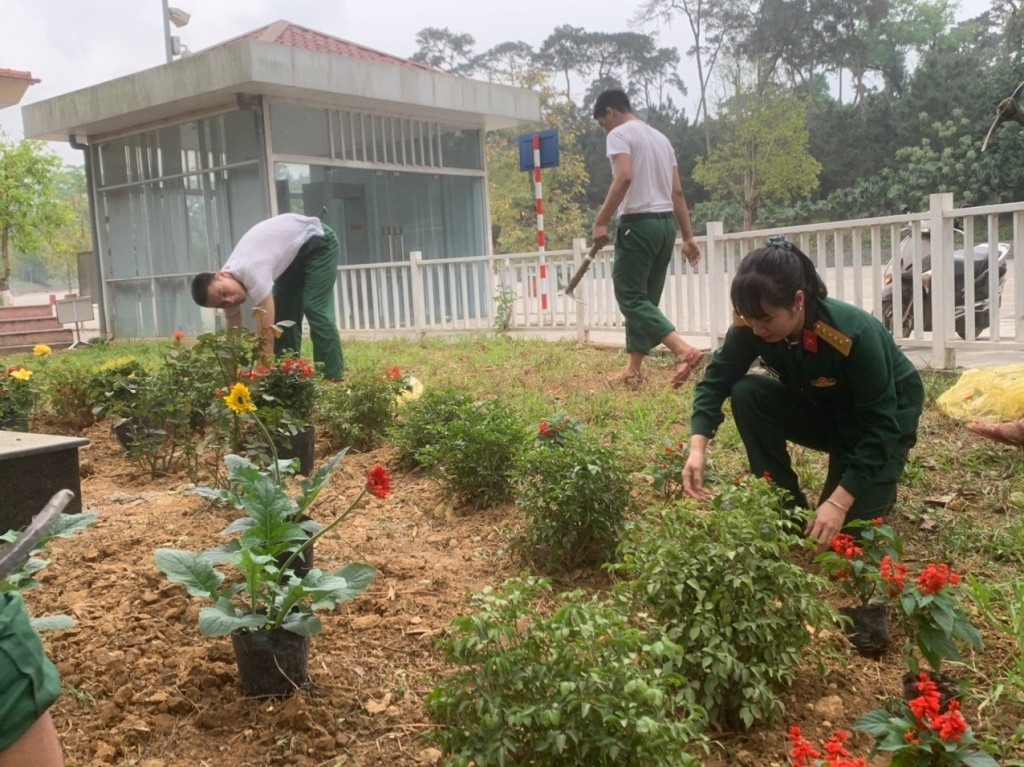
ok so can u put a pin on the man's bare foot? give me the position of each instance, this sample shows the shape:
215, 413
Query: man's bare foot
1007, 432
686, 364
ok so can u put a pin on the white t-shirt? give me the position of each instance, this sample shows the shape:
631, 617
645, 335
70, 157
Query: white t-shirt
269, 248
653, 159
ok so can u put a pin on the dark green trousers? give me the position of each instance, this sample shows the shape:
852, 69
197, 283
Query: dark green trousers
643, 252
768, 415
306, 288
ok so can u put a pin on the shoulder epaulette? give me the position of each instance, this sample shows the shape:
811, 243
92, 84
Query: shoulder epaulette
840, 342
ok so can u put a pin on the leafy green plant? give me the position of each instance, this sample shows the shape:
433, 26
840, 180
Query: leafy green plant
23, 578
359, 411
933, 618
1001, 607
67, 393
476, 455
504, 302
666, 471
113, 387
855, 563
267, 593
423, 423
18, 394
573, 685
556, 431
923, 732
723, 585
575, 493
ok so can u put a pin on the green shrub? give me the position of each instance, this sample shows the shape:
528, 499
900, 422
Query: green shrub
423, 423
114, 386
579, 686
575, 494
66, 389
722, 584
477, 453
359, 411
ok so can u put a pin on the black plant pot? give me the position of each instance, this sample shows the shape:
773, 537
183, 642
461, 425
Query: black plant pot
949, 687
271, 663
868, 629
125, 429
301, 446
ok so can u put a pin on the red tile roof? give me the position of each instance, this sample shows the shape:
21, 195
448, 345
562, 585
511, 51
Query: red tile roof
286, 33
17, 75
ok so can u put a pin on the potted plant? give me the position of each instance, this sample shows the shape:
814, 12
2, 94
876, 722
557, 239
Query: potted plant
855, 565
268, 608
285, 395
17, 397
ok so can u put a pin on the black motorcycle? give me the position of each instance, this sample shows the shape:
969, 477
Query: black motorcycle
975, 268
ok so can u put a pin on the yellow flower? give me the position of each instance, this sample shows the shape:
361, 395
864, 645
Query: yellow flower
42, 350
239, 399
21, 374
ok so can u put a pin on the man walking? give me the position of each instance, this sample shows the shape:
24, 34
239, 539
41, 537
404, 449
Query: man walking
648, 195
286, 267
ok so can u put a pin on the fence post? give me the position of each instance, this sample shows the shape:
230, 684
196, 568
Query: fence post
943, 292
578, 246
419, 314
714, 262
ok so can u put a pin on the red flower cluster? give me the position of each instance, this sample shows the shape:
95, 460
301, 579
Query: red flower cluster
299, 366
550, 431
178, 336
935, 578
925, 707
378, 481
395, 374
846, 547
949, 726
894, 574
803, 751
804, 754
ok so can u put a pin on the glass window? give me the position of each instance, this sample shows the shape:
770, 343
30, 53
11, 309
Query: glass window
460, 148
300, 131
113, 163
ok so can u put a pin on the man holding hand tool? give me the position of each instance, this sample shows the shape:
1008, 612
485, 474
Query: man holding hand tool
648, 195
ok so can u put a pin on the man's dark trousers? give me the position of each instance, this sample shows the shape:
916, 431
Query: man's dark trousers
306, 288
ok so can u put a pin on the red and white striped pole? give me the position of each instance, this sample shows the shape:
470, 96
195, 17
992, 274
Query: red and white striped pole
538, 193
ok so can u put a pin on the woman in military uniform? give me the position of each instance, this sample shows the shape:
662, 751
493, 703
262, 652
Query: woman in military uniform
836, 382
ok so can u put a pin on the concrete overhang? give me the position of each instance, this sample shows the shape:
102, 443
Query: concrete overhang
13, 85
211, 79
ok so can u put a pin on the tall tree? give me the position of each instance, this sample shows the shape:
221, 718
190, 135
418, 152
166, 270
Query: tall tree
512, 63
763, 156
566, 51
30, 205
445, 50
73, 235
709, 21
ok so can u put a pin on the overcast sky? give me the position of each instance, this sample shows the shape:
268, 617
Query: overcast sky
72, 44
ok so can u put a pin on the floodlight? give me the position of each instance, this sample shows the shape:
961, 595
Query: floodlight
178, 17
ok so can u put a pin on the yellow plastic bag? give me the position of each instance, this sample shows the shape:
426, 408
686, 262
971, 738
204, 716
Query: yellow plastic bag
413, 390
990, 395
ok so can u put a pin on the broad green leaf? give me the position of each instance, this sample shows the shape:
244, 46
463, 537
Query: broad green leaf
223, 619
53, 623
191, 570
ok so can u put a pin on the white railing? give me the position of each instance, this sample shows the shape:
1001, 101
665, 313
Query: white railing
421, 297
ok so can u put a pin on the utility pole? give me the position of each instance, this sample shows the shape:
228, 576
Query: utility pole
168, 46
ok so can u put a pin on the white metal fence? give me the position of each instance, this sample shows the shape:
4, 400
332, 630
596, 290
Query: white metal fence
525, 291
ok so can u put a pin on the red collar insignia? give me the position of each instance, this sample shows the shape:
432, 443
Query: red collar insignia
810, 341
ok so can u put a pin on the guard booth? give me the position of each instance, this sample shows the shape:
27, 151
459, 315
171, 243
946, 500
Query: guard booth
184, 157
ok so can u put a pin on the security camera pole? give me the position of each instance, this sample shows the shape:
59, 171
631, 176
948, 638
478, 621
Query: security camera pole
167, 32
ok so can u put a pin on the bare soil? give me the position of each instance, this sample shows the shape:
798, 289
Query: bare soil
142, 687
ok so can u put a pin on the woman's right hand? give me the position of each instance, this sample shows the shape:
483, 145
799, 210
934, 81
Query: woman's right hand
693, 472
